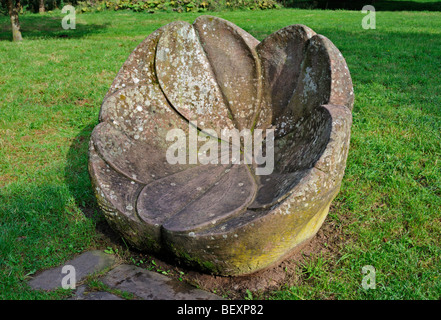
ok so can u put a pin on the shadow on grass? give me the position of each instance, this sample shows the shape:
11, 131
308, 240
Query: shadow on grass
44, 26
407, 6
78, 180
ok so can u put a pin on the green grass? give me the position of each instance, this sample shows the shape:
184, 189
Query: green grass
389, 205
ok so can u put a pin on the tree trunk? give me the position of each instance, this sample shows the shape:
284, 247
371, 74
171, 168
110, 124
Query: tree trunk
13, 13
41, 6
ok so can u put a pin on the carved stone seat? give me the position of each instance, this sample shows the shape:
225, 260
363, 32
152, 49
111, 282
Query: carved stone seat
199, 80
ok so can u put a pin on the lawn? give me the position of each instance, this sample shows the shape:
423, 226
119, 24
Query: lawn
388, 211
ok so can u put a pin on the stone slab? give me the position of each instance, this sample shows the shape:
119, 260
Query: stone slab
85, 264
150, 285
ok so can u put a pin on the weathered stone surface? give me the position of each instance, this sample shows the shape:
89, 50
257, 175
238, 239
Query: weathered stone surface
232, 55
138, 68
85, 264
227, 197
150, 285
281, 56
187, 79
223, 217
82, 293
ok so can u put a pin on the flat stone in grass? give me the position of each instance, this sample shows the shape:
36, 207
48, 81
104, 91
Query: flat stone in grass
150, 285
85, 264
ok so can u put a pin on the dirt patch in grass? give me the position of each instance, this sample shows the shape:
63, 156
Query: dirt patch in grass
287, 272
6, 179
84, 103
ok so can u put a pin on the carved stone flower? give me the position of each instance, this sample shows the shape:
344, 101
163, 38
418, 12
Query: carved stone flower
223, 218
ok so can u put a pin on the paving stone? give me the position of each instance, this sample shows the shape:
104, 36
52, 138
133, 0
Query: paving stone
150, 285
85, 264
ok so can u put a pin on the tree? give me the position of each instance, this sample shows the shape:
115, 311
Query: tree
41, 6
13, 13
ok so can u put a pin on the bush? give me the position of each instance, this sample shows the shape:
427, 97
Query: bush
145, 5
175, 5
33, 5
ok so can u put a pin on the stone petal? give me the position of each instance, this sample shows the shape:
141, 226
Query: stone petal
281, 55
229, 196
118, 191
274, 188
324, 79
187, 80
129, 157
142, 113
333, 159
117, 195
163, 198
135, 103
342, 92
295, 154
231, 53
300, 149
139, 66
314, 84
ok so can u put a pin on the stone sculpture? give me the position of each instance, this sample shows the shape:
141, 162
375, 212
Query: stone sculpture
211, 76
